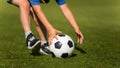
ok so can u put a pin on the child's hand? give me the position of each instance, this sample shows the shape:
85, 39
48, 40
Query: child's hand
80, 37
52, 34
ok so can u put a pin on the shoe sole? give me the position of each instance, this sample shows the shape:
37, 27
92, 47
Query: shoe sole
38, 42
45, 52
41, 51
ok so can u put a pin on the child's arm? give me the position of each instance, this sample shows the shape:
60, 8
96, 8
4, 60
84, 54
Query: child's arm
69, 16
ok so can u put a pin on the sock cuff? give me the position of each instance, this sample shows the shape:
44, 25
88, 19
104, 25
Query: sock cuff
43, 42
27, 33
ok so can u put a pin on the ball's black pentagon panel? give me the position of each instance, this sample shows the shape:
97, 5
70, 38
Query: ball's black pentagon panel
64, 55
70, 44
58, 45
61, 35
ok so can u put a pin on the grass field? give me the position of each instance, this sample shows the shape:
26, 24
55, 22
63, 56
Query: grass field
99, 21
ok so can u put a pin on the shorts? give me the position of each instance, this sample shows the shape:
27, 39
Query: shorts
38, 2
60, 2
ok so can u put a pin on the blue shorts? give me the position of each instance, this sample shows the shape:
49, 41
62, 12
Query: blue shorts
37, 2
60, 2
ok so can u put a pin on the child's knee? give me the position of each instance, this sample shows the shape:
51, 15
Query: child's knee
24, 4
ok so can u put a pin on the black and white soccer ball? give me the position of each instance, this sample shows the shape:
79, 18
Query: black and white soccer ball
62, 47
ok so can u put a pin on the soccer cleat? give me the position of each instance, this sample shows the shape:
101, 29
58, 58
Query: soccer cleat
32, 41
45, 49
9, 1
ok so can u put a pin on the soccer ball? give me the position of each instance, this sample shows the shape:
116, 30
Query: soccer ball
62, 47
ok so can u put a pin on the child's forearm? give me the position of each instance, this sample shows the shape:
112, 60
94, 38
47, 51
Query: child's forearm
69, 16
42, 17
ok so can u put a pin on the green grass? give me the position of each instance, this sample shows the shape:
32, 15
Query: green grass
99, 21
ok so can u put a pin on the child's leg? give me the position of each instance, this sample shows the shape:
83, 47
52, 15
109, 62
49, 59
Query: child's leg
42, 33
25, 20
40, 27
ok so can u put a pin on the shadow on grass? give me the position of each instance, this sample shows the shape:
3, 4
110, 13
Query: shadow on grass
73, 55
80, 50
35, 51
